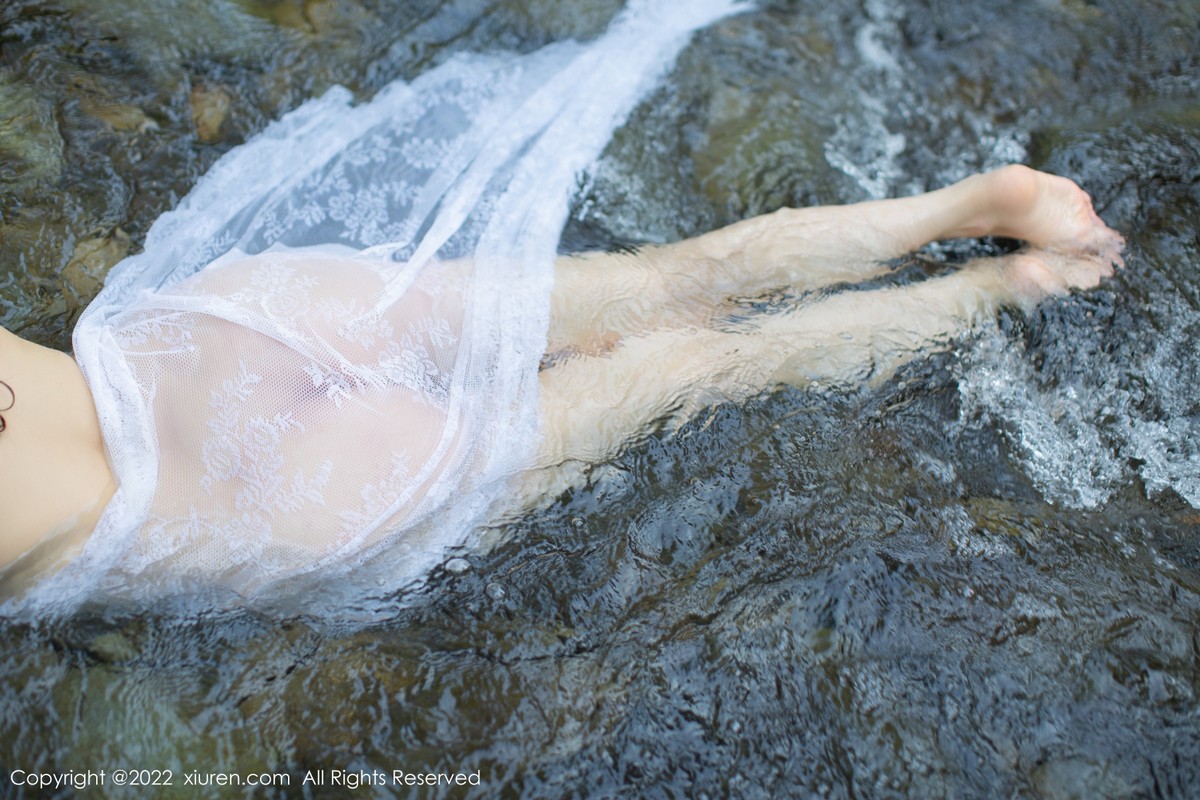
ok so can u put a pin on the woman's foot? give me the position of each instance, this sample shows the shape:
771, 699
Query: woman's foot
1036, 273
1047, 211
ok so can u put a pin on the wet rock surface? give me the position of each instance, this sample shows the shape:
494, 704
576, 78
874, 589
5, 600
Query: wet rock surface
912, 592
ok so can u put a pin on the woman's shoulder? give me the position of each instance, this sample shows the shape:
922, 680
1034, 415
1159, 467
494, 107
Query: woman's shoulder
54, 477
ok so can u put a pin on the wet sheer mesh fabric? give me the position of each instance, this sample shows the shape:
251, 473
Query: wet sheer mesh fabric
328, 354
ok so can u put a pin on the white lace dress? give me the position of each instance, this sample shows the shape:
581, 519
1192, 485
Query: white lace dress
325, 361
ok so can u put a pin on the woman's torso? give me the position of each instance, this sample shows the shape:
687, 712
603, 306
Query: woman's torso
289, 426
54, 477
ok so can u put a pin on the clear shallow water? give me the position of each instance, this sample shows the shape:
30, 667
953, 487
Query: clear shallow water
978, 580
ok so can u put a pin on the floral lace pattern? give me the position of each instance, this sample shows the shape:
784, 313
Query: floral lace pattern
376, 498
330, 348
170, 332
324, 370
247, 450
286, 465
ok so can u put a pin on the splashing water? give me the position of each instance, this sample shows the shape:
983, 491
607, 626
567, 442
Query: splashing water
1051, 428
1082, 436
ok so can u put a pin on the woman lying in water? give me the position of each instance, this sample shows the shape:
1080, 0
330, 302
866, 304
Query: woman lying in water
353, 346
278, 464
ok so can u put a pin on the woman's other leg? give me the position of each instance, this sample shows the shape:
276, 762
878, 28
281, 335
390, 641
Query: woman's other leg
592, 405
600, 298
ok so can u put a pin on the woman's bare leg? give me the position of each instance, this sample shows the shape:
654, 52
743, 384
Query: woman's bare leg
600, 298
592, 405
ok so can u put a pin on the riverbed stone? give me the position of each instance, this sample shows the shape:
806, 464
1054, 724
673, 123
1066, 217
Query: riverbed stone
31, 148
91, 261
210, 108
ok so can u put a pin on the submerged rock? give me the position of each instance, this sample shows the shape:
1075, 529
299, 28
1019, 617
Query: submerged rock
92, 259
210, 108
31, 148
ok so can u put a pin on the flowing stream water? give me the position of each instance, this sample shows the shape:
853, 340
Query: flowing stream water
981, 579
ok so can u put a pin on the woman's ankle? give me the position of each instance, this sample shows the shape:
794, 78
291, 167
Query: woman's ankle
994, 203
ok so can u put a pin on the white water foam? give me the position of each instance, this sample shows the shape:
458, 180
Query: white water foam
1050, 429
870, 145
864, 147
1081, 439
1159, 423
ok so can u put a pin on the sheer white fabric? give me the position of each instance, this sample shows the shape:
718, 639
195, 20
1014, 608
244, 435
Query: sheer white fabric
329, 352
